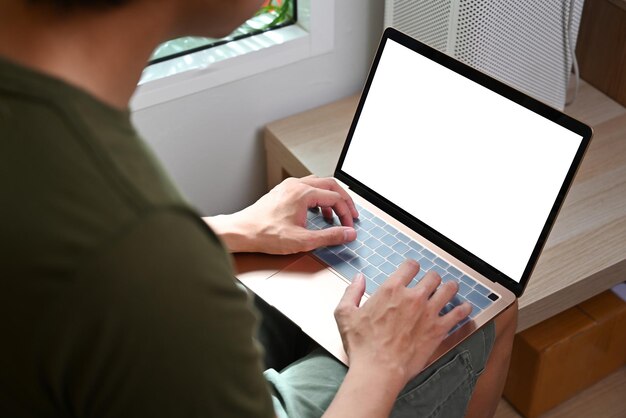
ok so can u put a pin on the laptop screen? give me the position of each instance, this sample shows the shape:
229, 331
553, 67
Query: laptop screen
475, 166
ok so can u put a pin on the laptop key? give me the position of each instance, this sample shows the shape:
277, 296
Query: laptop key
428, 254
359, 263
378, 221
389, 240
400, 247
370, 286
372, 242
454, 271
336, 248
363, 235
310, 225
347, 255
425, 263
312, 213
384, 251
380, 279
412, 254
447, 278
390, 229
387, 267
375, 260
364, 213
478, 299
414, 245
353, 245
467, 280
319, 221
364, 224
481, 289
364, 251
328, 256
346, 270
441, 263
395, 259
377, 232
332, 221
370, 271
403, 238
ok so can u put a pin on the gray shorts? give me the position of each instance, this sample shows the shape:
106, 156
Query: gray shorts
306, 387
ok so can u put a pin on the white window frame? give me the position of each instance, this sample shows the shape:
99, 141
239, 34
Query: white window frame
312, 35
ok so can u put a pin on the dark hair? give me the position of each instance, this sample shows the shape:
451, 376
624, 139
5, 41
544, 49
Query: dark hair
80, 4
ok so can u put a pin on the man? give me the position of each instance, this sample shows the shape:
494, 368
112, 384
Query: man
117, 300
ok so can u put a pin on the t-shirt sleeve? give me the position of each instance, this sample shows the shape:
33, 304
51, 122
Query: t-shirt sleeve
157, 327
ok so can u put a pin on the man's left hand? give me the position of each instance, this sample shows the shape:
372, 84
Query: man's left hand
276, 223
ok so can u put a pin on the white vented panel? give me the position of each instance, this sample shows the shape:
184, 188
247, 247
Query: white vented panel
521, 42
428, 19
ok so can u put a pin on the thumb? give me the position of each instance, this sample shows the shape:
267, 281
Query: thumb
348, 305
335, 235
352, 296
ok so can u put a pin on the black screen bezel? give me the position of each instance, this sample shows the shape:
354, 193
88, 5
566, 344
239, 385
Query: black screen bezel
502, 89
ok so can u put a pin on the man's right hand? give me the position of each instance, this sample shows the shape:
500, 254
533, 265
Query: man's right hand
398, 329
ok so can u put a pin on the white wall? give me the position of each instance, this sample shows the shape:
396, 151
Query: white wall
211, 142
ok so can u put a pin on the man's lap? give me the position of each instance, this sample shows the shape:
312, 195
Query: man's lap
306, 387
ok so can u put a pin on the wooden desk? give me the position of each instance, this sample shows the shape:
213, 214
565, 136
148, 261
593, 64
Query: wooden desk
586, 251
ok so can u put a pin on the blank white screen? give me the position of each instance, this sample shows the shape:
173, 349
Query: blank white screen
473, 165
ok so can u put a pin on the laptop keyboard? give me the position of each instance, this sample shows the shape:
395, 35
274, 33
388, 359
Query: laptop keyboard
378, 251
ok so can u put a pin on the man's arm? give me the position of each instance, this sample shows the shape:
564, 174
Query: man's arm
156, 326
391, 337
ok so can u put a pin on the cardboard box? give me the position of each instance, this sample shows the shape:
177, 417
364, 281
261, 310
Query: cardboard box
556, 359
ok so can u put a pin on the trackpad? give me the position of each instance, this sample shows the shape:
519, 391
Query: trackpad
307, 293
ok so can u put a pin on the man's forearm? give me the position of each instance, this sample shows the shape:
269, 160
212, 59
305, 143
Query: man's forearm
232, 231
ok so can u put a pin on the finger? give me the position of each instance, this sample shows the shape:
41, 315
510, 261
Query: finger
331, 199
335, 235
329, 183
406, 272
443, 294
429, 283
353, 294
456, 315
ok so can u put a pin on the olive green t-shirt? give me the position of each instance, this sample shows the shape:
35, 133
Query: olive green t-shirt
116, 300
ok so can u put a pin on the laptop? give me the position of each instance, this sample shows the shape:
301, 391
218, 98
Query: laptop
447, 166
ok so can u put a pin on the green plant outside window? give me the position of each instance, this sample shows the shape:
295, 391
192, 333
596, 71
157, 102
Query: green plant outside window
272, 15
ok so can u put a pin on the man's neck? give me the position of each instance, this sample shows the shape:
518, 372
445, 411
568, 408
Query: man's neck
101, 55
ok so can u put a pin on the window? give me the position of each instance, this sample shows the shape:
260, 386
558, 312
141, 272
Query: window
310, 35
273, 14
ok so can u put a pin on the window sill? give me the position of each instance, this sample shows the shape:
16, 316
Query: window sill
312, 35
